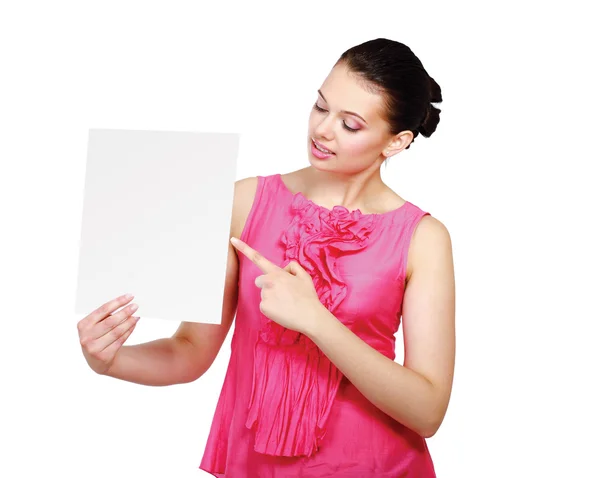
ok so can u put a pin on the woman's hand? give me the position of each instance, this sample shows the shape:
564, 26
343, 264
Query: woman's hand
288, 295
101, 334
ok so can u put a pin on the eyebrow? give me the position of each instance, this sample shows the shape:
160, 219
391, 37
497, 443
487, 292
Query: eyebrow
345, 111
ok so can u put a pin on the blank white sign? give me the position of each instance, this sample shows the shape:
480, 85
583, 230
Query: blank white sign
156, 219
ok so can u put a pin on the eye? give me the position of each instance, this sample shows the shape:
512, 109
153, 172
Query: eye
323, 110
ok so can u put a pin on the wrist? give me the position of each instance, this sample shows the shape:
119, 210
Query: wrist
113, 368
315, 321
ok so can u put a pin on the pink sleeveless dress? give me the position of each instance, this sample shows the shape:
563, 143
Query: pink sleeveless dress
284, 409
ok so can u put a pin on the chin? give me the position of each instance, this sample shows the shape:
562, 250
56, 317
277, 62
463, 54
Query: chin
320, 164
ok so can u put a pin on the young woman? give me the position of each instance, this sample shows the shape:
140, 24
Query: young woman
329, 261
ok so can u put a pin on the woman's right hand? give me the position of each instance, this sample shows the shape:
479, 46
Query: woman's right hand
102, 333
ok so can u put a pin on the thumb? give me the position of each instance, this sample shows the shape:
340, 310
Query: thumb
295, 269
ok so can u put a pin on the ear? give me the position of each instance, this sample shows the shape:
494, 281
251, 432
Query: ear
398, 143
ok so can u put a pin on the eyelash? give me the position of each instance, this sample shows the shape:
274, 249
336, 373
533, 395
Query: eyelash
321, 110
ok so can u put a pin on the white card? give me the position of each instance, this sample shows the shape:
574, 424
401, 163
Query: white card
156, 219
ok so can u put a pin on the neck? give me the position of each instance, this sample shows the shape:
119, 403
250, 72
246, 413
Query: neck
353, 191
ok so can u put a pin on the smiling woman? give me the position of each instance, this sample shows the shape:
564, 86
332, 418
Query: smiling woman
328, 264
312, 388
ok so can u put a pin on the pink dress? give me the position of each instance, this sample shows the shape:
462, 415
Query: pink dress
284, 409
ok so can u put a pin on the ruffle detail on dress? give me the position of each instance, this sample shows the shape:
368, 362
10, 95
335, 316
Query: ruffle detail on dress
294, 383
292, 394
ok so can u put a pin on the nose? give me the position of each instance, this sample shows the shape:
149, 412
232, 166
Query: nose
324, 128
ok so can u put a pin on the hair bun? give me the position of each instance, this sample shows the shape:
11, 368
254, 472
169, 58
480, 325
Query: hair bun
435, 91
432, 115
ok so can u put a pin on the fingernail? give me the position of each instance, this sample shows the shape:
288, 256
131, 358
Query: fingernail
234, 240
129, 296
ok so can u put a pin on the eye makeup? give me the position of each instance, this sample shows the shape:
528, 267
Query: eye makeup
323, 110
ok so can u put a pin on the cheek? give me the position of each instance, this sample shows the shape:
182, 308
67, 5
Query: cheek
357, 147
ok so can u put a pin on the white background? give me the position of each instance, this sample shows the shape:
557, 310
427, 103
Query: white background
510, 172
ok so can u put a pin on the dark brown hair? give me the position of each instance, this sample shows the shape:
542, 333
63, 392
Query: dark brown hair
392, 69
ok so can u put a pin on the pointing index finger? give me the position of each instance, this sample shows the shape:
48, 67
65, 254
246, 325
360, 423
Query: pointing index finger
263, 263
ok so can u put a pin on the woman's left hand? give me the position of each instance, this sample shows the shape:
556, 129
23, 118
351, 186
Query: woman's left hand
288, 295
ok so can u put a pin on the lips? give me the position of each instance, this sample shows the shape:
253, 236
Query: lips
322, 148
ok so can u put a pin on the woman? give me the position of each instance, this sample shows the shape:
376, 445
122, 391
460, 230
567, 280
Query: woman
319, 281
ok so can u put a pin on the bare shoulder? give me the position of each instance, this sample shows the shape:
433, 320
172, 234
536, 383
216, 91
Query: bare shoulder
430, 244
428, 312
243, 197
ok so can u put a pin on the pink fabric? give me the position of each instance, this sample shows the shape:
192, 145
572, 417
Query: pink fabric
284, 409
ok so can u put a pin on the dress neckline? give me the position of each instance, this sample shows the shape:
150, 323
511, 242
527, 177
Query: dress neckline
358, 212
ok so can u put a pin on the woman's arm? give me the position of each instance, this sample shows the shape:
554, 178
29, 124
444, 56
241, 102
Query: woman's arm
417, 393
192, 349
186, 355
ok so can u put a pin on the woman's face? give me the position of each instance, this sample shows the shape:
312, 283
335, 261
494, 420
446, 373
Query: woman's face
347, 120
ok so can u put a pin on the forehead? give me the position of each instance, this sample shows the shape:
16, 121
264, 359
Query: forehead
344, 90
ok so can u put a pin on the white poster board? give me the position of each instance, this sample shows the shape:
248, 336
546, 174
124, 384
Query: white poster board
155, 223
